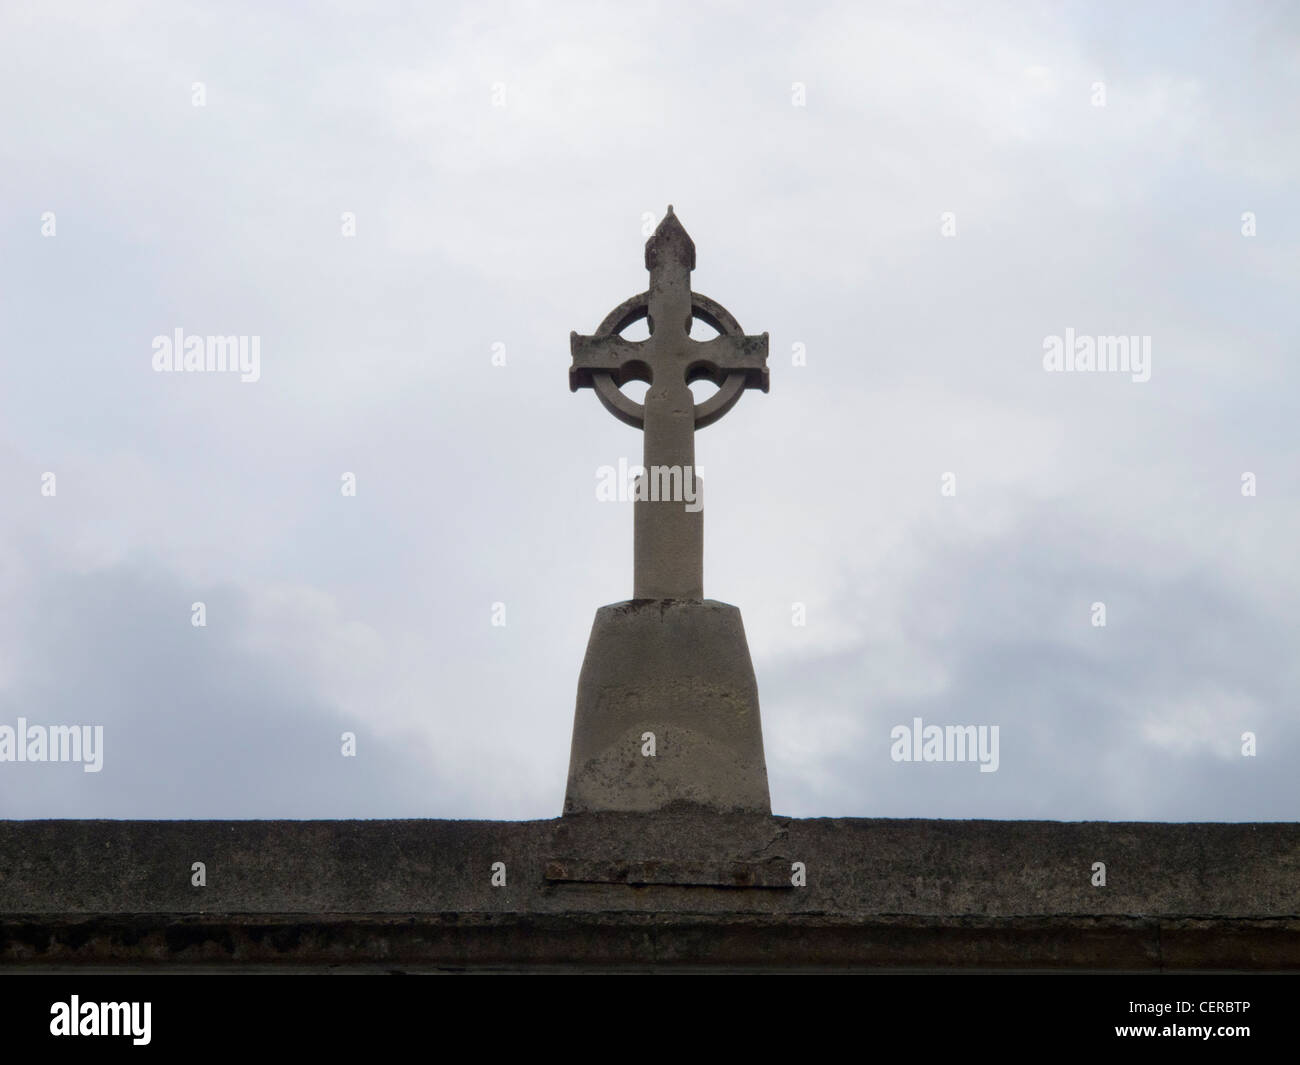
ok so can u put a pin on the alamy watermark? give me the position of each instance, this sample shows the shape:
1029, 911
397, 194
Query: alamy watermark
1093, 354
75, 1017
53, 743
179, 353
946, 743
671, 484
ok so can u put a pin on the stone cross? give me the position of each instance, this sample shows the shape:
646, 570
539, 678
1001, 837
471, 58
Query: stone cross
667, 711
668, 537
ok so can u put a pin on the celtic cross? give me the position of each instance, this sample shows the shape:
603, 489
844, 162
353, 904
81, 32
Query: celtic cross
668, 534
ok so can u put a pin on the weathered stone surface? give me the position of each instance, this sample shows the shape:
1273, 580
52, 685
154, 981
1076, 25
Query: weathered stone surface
880, 894
681, 671
645, 942
668, 540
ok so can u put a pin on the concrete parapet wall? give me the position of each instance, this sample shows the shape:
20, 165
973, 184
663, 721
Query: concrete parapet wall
631, 890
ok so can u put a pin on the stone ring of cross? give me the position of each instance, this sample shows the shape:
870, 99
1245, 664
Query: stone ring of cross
626, 409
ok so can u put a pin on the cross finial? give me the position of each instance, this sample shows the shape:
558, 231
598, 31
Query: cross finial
670, 243
669, 537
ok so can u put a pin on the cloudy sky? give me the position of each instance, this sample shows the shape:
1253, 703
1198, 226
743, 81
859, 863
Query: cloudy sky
912, 197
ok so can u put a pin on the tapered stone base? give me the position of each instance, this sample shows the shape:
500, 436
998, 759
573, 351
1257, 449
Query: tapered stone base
680, 670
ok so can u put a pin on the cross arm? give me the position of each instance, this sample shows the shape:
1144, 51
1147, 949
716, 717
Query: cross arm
623, 360
723, 356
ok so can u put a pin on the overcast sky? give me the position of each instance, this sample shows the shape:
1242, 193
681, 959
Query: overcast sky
502, 163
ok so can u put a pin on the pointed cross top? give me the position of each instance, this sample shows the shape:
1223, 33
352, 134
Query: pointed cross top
670, 243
